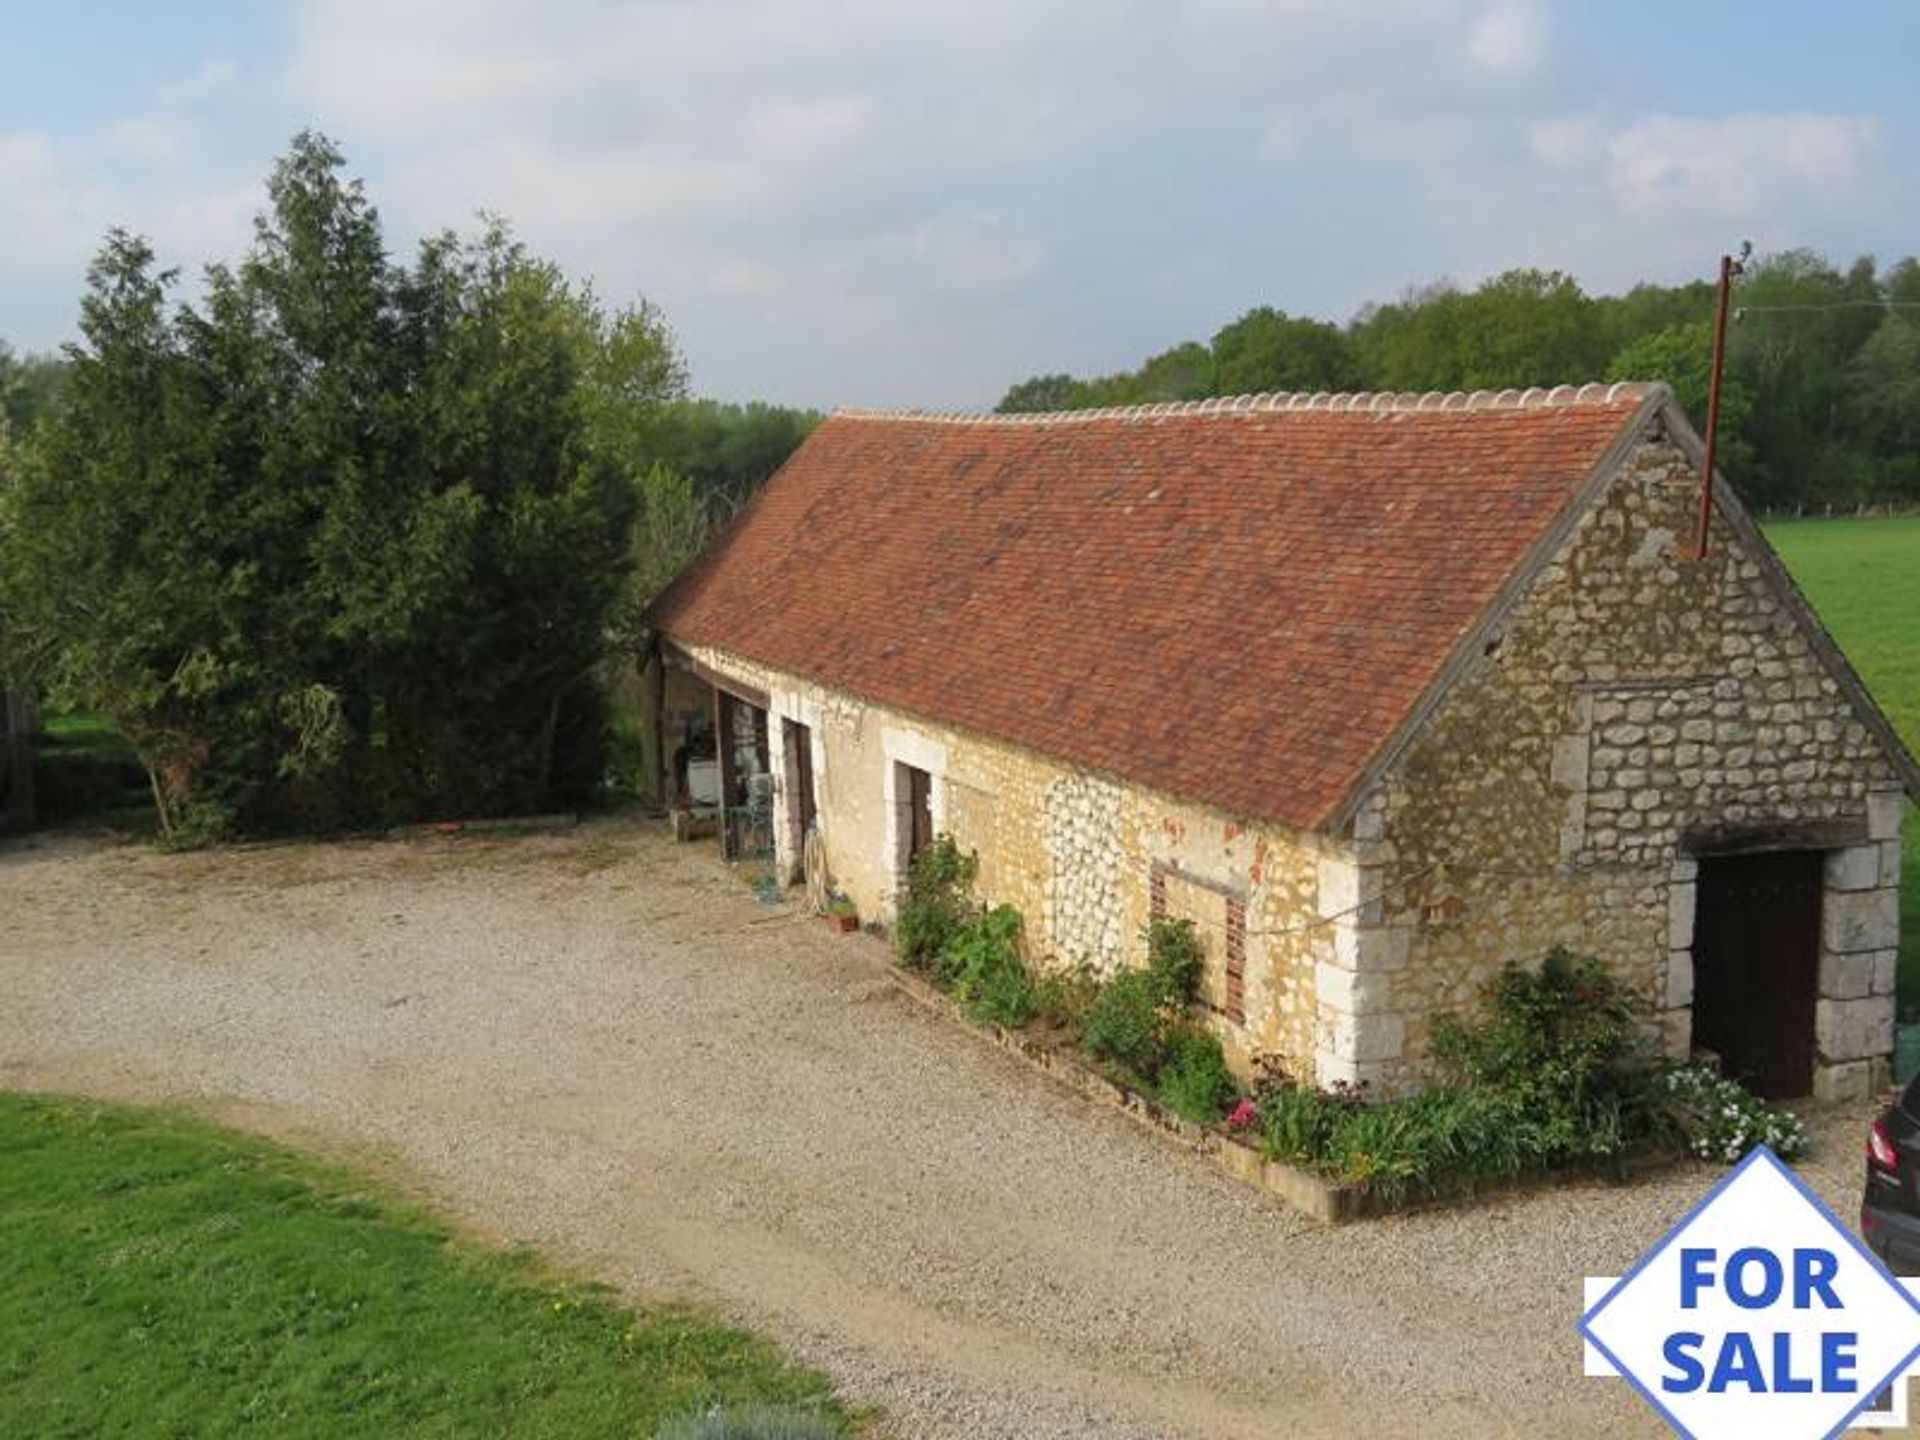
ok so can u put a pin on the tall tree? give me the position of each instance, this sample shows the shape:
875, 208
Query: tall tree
1268, 349
344, 540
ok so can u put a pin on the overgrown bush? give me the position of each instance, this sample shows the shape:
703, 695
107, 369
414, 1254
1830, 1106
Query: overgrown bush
1194, 1080
1560, 1041
1547, 1073
982, 964
1127, 1022
1720, 1119
1064, 994
1175, 959
939, 903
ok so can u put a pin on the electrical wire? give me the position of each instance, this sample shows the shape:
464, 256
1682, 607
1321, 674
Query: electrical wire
1741, 311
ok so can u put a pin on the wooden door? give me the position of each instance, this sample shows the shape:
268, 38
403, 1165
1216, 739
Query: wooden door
797, 743
920, 806
801, 763
1756, 967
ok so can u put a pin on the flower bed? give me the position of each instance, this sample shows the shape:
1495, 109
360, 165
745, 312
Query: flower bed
1547, 1081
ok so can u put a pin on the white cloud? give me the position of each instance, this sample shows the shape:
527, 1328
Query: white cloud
868, 201
1741, 166
1507, 38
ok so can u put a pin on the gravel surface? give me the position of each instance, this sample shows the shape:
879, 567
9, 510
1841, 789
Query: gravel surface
600, 1043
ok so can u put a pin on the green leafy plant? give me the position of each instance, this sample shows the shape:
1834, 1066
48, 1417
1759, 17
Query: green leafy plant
1175, 958
1127, 1022
1064, 994
982, 964
1561, 1040
1720, 1119
1297, 1121
1546, 1073
939, 903
1194, 1079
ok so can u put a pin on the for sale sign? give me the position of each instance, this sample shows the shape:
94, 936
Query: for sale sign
1758, 1316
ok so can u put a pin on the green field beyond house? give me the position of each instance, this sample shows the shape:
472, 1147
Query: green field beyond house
1863, 576
162, 1277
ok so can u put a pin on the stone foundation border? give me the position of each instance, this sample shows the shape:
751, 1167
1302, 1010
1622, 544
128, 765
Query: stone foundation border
1328, 1201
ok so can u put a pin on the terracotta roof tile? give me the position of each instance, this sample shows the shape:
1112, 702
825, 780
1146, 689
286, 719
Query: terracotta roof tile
1233, 601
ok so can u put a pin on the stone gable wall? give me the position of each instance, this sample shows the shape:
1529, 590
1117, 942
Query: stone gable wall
1630, 700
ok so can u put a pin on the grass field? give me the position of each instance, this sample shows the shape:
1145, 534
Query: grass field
1863, 576
163, 1277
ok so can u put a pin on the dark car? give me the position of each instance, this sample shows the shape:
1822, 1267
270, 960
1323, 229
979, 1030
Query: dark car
1890, 1210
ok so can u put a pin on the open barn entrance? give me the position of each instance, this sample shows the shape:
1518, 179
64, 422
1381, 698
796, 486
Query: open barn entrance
1756, 967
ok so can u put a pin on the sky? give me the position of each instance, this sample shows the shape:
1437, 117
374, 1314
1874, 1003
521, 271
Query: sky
920, 202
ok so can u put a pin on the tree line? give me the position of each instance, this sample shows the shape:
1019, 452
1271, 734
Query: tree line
1821, 402
345, 540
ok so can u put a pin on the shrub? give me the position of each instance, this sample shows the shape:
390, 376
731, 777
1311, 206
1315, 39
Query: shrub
748, 1425
982, 963
1126, 1024
1194, 1080
939, 903
1066, 993
1542, 1076
1558, 1041
1720, 1119
1175, 959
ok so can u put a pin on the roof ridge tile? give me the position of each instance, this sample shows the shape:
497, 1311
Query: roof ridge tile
1376, 402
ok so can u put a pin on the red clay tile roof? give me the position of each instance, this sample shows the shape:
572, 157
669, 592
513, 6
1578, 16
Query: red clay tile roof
1237, 606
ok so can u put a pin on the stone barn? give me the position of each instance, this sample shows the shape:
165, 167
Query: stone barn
1380, 691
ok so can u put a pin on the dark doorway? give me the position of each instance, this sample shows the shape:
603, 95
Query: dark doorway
1756, 967
746, 779
798, 742
919, 799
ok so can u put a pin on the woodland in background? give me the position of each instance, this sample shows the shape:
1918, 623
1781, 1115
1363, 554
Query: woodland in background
1821, 410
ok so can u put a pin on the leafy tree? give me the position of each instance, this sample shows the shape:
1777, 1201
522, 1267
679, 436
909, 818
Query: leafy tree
1682, 356
726, 452
1041, 394
1528, 327
671, 526
30, 387
343, 541
1267, 349
1884, 402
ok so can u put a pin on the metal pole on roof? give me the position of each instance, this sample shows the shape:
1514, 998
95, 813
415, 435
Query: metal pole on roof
1729, 267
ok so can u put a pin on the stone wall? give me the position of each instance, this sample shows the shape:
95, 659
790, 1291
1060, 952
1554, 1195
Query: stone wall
1630, 704
1078, 854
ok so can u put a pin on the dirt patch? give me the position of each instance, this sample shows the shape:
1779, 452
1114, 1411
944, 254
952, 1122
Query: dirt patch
601, 1044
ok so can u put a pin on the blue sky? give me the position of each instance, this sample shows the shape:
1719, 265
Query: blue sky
868, 202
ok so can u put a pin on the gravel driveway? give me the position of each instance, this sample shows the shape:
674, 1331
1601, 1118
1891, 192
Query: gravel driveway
600, 1043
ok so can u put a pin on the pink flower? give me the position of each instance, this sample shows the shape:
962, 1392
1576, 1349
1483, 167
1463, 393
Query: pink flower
1242, 1114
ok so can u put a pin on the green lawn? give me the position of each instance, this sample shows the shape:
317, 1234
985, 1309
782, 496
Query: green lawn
1864, 578
159, 1276
84, 769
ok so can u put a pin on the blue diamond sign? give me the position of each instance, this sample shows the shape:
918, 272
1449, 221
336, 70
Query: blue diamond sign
1758, 1316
